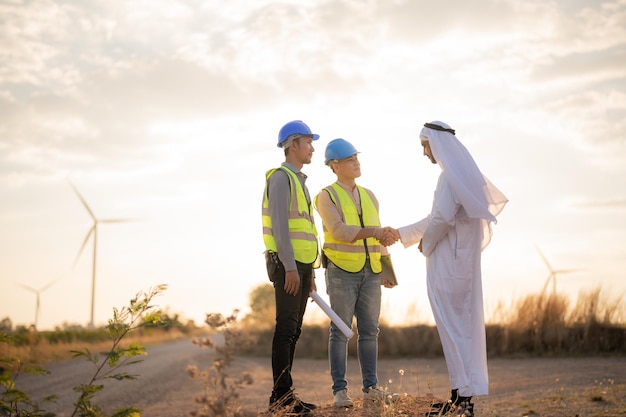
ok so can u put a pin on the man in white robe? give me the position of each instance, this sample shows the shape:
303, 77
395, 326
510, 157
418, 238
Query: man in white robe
452, 238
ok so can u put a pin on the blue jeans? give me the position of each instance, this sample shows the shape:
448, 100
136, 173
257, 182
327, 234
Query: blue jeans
354, 295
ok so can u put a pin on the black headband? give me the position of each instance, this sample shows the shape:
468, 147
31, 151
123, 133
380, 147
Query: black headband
437, 127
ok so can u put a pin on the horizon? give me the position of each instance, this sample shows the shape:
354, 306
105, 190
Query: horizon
608, 305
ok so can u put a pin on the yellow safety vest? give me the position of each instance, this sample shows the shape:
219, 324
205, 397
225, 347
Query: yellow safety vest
351, 257
302, 231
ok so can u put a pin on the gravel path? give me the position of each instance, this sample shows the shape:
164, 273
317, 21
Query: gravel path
519, 387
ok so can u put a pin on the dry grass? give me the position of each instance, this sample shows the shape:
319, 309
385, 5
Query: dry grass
406, 405
535, 325
538, 324
40, 351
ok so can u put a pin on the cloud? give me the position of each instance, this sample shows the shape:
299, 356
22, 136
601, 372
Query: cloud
618, 203
29, 35
593, 66
93, 84
598, 114
98, 77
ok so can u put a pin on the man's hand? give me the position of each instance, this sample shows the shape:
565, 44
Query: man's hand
292, 282
388, 284
420, 246
388, 236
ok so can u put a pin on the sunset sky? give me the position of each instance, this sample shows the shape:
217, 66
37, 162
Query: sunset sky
166, 113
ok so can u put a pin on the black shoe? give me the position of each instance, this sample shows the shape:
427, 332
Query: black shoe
310, 406
455, 399
290, 404
438, 406
439, 409
464, 408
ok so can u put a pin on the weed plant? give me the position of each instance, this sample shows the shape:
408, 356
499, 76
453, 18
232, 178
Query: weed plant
108, 365
220, 395
14, 402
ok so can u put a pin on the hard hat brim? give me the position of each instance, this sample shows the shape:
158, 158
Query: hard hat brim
313, 135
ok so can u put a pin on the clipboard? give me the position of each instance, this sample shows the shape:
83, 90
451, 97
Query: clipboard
387, 273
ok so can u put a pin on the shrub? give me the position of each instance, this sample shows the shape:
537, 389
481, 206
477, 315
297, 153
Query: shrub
108, 365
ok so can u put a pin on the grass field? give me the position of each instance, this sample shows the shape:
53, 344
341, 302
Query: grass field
538, 326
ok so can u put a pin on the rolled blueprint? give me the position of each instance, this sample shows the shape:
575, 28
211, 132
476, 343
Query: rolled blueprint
332, 315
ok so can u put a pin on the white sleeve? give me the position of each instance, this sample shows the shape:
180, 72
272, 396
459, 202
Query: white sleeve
412, 233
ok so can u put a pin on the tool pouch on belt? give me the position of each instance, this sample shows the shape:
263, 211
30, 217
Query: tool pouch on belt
324, 260
274, 266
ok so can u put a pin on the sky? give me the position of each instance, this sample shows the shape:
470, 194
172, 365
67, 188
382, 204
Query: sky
166, 114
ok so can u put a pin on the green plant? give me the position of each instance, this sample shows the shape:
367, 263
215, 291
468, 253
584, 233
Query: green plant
14, 402
139, 313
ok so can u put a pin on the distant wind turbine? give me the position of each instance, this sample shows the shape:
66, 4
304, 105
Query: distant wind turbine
38, 293
553, 273
93, 231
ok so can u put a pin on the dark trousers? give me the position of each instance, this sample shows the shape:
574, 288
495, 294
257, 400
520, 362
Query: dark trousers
289, 313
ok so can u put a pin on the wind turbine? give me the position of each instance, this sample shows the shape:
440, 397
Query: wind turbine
93, 231
553, 273
38, 293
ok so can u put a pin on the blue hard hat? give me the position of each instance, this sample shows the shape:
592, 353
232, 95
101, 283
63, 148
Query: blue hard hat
338, 149
295, 127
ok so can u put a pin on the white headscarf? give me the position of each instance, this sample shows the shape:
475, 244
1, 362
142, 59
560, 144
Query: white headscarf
478, 196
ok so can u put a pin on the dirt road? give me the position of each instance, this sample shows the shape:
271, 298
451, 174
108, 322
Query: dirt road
519, 387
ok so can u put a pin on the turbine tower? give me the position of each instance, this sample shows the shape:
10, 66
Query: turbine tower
93, 231
38, 293
552, 275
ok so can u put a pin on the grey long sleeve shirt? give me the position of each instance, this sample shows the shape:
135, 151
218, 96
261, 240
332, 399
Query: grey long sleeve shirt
278, 204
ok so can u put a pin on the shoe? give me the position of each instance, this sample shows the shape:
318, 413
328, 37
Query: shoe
290, 404
376, 394
342, 399
295, 408
464, 408
455, 399
310, 406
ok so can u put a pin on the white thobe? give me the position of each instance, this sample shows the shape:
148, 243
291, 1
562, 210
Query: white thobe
451, 242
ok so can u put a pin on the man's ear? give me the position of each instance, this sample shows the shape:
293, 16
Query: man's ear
294, 143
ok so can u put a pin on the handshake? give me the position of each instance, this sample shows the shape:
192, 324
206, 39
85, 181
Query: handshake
387, 236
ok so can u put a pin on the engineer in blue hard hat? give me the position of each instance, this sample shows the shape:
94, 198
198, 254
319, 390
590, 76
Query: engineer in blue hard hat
290, 239
352, 250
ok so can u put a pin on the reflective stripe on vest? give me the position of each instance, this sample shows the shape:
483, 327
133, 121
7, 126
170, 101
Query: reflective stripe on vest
302, 231
351, 257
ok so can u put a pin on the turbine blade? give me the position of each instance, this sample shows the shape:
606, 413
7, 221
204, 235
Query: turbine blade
82, 247
545, 260
82, 200
48, 285
26, 287
117, 220
565, 271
